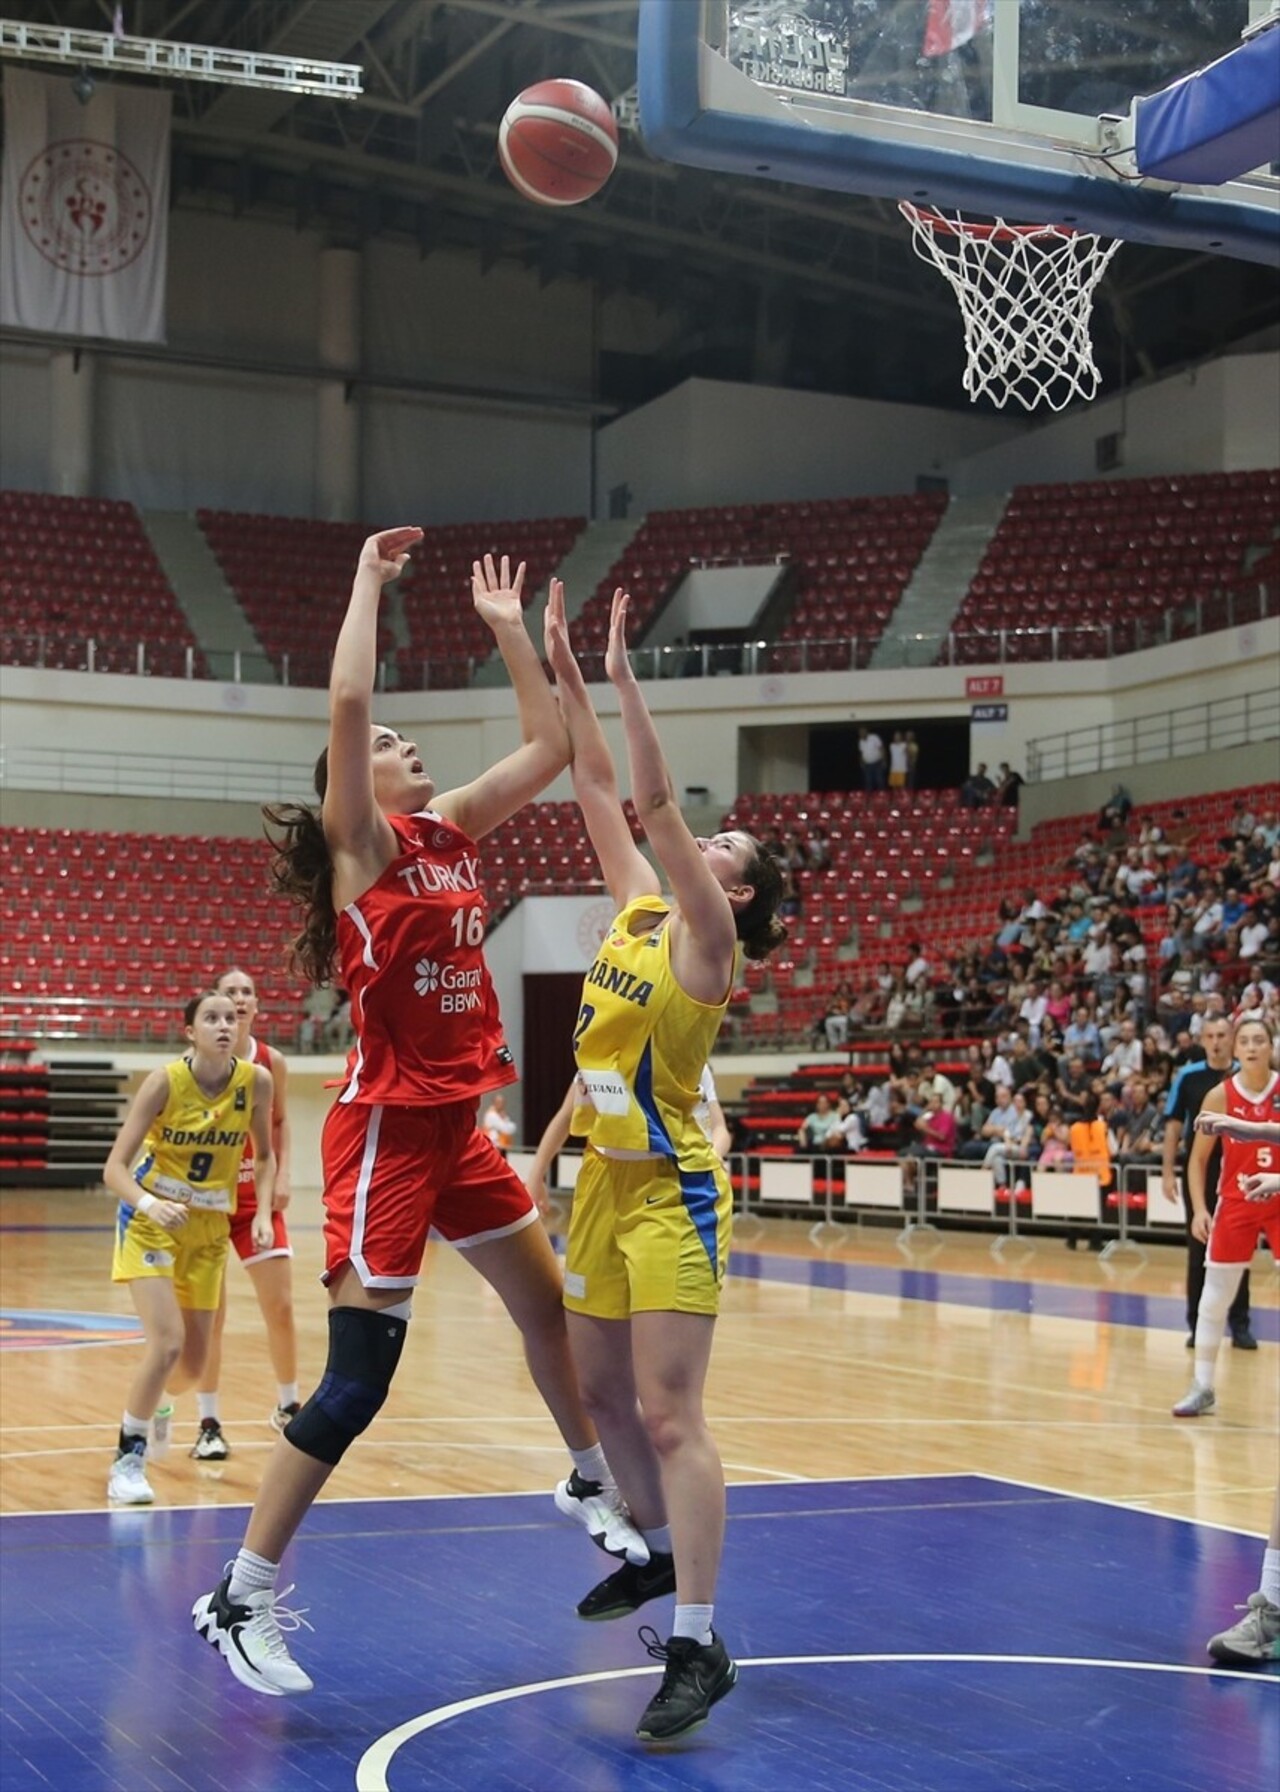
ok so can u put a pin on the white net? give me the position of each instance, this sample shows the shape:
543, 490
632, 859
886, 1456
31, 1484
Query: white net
1026, 298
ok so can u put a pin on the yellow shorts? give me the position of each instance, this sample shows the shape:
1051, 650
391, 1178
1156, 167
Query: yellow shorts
192, 1258
646, 1237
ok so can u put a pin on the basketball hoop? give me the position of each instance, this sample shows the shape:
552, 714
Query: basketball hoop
1026, 298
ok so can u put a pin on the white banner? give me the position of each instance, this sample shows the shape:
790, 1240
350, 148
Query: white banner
84, 211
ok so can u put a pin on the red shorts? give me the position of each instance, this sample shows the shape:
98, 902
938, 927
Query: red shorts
393, 1175
1233, 1236
242, 1228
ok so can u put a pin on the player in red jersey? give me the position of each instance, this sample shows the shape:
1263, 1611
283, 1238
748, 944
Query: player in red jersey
1251, 1094
1255, 1637
270, 1266
387, 878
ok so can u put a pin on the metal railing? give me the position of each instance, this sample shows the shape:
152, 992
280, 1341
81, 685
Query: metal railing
70, 650
1165, 734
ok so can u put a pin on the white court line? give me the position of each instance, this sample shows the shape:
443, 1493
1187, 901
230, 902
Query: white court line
372, 1768
1126, 1505
815, 1481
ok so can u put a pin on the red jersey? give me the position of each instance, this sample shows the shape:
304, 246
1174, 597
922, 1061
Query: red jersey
258, 1054
1239, 1159
411, 955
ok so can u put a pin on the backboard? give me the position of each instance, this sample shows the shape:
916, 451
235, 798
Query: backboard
1023, 109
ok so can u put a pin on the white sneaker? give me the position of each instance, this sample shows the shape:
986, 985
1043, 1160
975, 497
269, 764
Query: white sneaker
602, 1510
160, 1433
127, 1483
210, 1445
1195, 1401
248, 1634
1255, 1638
283, 1415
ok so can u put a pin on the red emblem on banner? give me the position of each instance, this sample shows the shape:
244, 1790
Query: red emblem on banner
85, 207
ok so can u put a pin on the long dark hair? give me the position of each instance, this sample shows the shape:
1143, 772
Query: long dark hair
758, 926
302, 871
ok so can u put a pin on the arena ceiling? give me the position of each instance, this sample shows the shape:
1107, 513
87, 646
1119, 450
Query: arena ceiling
760, 281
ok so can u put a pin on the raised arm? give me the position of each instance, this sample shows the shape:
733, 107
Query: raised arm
624, 867
543, 753
703, 945
359, 835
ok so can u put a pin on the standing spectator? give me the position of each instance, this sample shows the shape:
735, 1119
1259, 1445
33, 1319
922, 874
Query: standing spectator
497, 1125
913, 760
898, 760
1008, 785
1138, 1127
871, 755
977, 790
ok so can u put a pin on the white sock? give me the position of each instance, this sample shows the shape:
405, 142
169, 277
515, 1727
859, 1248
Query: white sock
250, 1573
693, 1621
658, 1538
1220, 1283
133, 1426
207, 1405
592, 1466
286, 1393
1271, 1575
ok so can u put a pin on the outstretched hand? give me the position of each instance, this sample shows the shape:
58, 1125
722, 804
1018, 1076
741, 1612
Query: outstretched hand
616, 663
555, 637
496, 593
387, 552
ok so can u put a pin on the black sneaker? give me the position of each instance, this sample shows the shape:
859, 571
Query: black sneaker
630, 1588
211, 1445
1242, 1337
697, 1676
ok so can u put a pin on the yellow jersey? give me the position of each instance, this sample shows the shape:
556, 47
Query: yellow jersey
193, 1147
641, 1044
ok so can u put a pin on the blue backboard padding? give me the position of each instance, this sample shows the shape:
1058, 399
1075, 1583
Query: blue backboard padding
1218, 123
675, 127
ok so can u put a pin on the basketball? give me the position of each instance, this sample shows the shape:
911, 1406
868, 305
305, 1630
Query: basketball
558, 143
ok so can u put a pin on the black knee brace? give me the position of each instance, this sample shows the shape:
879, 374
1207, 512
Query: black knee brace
364, 1349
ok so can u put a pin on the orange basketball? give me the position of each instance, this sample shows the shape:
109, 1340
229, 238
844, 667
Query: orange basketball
558, 143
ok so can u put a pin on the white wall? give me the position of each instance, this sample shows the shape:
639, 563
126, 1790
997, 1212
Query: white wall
719, 443
1224, 415
705, 723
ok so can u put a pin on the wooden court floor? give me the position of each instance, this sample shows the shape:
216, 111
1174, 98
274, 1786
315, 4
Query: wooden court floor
858, 1359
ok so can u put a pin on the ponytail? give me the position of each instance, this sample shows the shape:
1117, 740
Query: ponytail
758, 925
302, 871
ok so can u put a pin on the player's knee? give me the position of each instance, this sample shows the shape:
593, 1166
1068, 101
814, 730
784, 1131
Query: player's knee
364, 1350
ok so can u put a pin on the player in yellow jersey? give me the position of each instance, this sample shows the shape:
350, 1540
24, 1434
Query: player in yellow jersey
649, 1234
173, 1168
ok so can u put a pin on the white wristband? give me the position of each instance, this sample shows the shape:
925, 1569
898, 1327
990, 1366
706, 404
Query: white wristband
146, 1204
